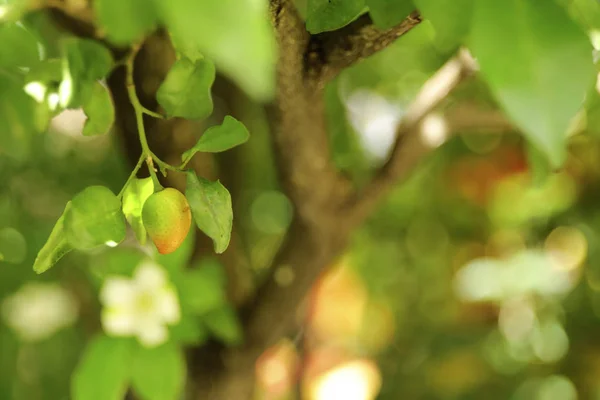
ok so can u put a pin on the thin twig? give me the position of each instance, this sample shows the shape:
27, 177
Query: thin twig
409, 148
331, 52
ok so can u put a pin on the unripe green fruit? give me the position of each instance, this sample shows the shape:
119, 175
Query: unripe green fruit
167, 219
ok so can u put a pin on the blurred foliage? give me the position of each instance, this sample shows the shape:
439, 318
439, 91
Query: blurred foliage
478, 277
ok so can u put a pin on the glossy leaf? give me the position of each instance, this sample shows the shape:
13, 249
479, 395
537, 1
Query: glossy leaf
229, 134
136, 193
236, 35
104, 370
388, 13
451, 20
126, 21
94, 219
186, 90
329, 15
538, 64
56, 246
225, 325
13, 247
159, 373
19, 46
211, 209
85, 61
100, 111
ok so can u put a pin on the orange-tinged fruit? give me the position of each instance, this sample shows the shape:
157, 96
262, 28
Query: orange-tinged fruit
167, 219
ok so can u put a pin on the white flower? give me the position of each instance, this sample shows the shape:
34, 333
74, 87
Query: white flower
38, 310
141, 306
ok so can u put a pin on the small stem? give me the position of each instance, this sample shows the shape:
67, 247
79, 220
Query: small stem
152, 113
150, 164
131, 176
185, 162
140, 110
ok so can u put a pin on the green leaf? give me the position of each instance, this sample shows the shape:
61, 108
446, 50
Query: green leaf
211, 207
94, 219
329, 15
136, 193
46, 71
159, 373
19, 46
189, 331
538, 165
87, 58
388, 13
13, 247
100, 111
224, 324
56, 246
16, 123
126, 21
235, 34
84, 62
450, 18
219, 138
104, 370
538, 64
186, 90
203, 289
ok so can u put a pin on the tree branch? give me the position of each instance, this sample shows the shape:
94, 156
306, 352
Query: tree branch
409, 149
299, 129
331, 52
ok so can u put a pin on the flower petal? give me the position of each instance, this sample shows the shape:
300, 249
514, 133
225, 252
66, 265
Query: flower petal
150, 276
168, 304
117, 291
118, 321
152, 334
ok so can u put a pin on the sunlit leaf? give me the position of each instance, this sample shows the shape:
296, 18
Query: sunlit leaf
84, 62
126, 21
186, 89
104, 370
94, 219
219, 138
13, 247
159, 373
47, 71
236, 34
136, 193
211, 208
388, 13
538, 64
19, 47
56, 246
329, 15
100, 111
450, 18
